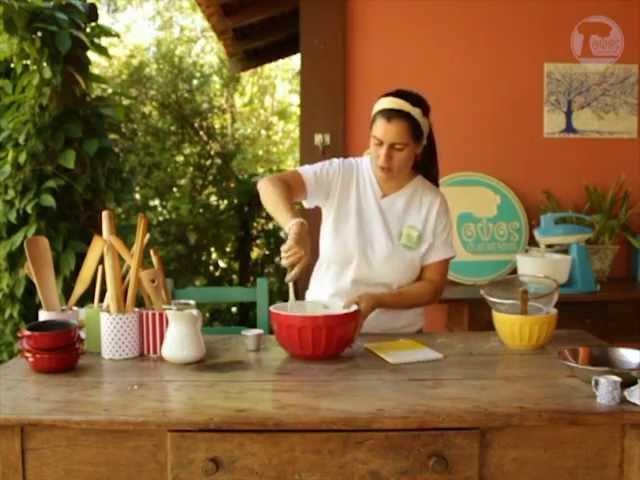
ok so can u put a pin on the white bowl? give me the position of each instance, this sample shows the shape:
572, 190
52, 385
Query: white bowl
554, 265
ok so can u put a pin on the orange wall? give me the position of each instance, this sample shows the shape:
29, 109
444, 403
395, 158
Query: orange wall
480, 64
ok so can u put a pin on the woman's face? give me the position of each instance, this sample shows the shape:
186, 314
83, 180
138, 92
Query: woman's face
393, 150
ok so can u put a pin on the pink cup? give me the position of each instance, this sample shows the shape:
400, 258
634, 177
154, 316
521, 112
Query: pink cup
153, 325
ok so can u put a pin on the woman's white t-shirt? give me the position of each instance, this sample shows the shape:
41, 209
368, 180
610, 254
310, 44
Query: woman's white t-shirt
373, 244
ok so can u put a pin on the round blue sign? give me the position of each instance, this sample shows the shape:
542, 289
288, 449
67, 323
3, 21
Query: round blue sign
489, 226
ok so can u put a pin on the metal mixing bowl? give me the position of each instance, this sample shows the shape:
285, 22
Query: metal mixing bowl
504, 295
588, 361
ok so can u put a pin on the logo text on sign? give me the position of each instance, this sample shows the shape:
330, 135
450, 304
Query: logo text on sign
597, 39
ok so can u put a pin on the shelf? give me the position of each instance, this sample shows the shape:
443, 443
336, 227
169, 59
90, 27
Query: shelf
612, 291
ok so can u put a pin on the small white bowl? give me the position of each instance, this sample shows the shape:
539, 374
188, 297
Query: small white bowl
549, 264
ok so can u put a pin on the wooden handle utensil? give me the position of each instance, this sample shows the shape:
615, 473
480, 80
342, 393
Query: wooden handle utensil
96, 295
27, 271
41, 265
138, 252
89, 265
126, 256
112, 270
151, 280
159, 266
524, 301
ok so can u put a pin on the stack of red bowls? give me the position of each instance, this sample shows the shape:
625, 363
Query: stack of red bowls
51, 346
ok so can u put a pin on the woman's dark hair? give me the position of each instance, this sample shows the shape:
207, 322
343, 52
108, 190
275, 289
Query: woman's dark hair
427, 164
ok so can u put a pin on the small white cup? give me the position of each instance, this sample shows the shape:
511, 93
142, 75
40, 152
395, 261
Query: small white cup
607, 389
253, 338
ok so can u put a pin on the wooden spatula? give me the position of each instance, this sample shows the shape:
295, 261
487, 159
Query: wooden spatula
41, 265
112, 271
124, 252
159, 266
136, 262
151, 280
89, 265
27, 271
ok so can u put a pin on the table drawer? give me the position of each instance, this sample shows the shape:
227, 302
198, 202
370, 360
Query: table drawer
319, 455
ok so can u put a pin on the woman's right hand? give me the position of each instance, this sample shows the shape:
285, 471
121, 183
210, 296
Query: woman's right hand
295, 251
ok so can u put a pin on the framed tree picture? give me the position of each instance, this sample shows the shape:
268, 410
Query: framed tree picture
590, 100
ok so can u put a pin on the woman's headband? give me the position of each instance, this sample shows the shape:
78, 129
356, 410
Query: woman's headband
394, 103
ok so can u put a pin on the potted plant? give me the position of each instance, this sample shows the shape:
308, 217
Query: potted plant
608, 214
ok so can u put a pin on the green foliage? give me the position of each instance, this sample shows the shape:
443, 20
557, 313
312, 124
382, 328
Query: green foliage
194, 139
609, 213
184, 143
57, 164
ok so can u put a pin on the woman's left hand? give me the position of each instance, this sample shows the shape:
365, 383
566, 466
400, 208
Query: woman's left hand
367, 303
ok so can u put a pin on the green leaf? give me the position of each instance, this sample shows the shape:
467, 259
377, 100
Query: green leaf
31, 230
63, 41
62, 17
67, 159
47, 200
90, 146
9, 25
58, 139
67, 261
78, 77
5, 172
73, 130
52, 183
81, 36
45, 26
100, 50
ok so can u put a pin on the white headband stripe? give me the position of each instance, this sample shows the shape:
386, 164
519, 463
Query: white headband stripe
393, 103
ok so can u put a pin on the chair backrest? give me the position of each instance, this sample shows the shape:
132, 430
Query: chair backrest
207, 295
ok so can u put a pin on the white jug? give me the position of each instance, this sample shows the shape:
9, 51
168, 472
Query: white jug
183, 341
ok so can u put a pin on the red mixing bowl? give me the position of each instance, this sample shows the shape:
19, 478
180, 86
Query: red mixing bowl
53, 361
314, 330
49, 334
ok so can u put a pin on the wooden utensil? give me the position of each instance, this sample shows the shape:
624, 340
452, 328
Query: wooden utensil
151, 280
41, 265
292, 296
122, 250
112, 270
524, 301
96, 295
27, 271
159, 266
126, 256
138, 251
89, 265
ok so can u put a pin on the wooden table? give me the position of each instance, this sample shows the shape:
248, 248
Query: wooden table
482, 412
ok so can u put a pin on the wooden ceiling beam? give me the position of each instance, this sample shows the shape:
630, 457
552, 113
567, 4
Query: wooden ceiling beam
265, 40
261, 10
217, 20
282, 49
267, 34
256, 33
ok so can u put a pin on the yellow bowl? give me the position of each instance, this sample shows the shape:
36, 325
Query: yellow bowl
525, 332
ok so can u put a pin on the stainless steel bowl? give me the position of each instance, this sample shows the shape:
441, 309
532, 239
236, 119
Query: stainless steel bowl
588, 361
505, 294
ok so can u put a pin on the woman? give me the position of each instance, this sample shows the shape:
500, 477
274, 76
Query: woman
385, 238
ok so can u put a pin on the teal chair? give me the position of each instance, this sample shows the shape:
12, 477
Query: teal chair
208, 295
